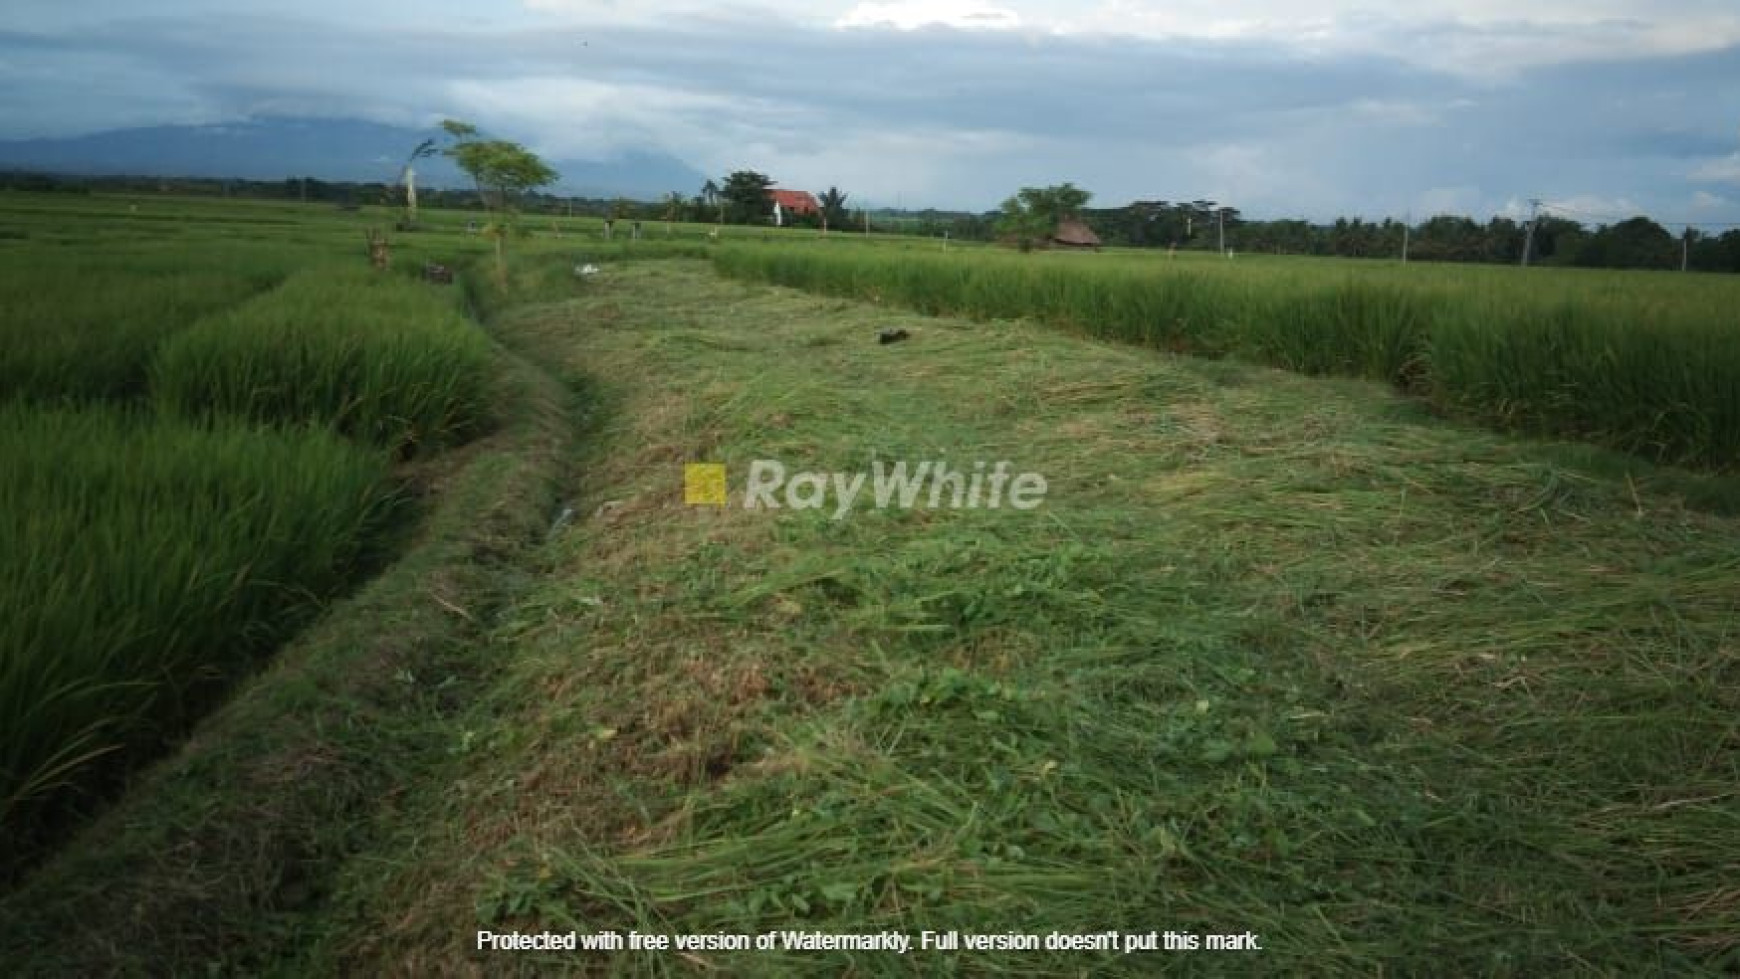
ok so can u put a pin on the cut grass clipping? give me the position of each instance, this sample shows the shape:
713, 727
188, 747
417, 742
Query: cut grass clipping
142, 564
1653, 369
381, 358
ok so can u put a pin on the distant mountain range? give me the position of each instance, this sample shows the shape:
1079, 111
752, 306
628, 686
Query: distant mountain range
326, 149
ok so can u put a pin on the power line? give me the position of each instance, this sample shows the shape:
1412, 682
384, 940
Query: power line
1612, 217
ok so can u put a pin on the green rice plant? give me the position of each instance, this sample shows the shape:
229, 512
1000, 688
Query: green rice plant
1362, 330
1668, 390
84, 326
143, 563
384, 359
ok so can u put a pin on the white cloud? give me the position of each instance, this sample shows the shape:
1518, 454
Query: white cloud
1474, 38
1723, 171
590, 120
909, 15
910, 168
1396, 112
1482, 39
1595, 208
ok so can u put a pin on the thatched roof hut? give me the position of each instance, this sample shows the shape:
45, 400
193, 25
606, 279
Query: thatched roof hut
1073, 233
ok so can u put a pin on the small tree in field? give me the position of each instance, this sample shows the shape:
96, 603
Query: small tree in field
1031, 215
1022, 224
745, 197
501, 170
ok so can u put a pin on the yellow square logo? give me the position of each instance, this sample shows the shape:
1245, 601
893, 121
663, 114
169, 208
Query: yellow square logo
704, 484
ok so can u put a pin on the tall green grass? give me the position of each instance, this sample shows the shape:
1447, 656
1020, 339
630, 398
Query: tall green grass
1667, 387
79, 327
381, 358
150, 550
144, 562
1637, 361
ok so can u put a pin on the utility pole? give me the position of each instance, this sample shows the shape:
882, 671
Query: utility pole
1686, 248
1220, 226
1407, 229
1529, 238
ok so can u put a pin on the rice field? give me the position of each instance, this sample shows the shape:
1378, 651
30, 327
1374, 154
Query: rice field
383, 359
81, 327
1644, 362
1306, 656
146, 562
200, 409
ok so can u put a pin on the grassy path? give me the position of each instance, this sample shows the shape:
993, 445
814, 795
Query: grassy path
1276, 655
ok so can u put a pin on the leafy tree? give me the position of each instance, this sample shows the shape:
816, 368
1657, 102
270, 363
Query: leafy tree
1557, 240
1716, 254
1021, 224
745, 197
1055, 203
1636, 243
1031, 215
500, 168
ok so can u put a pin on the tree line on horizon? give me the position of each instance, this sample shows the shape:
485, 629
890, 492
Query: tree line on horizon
1028, 217
740, 198
1634, 243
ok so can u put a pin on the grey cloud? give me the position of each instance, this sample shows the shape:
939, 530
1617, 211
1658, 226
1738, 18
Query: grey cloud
1255, 123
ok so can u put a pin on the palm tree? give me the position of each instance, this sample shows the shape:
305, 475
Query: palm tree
712, 196
408, 177
833, 206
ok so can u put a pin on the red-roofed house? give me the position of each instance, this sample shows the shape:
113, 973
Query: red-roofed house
792, 202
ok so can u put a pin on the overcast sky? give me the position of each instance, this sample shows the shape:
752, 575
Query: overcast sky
1609, 107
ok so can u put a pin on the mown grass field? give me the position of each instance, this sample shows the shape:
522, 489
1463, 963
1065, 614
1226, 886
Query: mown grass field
1283, 654
1278, 654
1644, 362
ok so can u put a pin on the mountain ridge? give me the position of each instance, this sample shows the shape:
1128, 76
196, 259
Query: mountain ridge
282, 147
